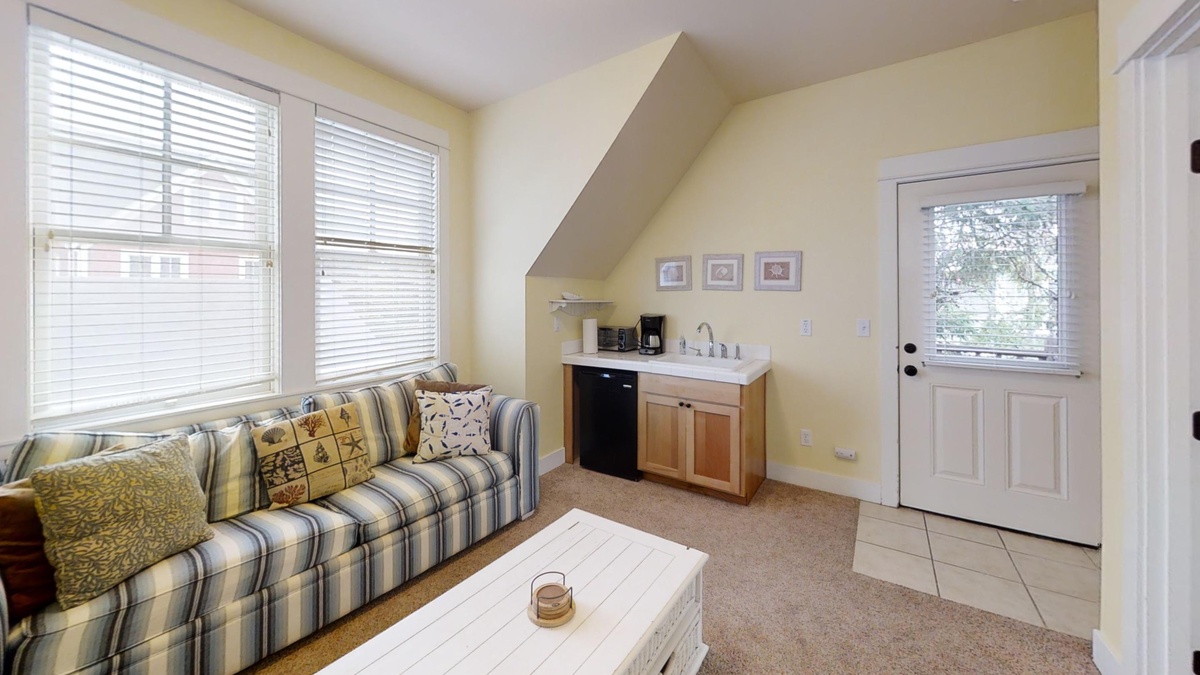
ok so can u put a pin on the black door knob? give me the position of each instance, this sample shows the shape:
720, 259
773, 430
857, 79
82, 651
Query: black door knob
910, 348
910, 370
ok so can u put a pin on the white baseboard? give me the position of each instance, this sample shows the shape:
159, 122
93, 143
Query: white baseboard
552, 461
826, 482
1103, 657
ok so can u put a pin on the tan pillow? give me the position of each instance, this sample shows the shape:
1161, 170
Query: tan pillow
414, 418
108, 516
312, 455
28, 576
454, 424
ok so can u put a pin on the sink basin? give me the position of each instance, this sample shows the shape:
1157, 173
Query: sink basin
701, 362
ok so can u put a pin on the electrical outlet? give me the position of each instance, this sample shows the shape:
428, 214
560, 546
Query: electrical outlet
557, 324
806, 327
845, 453
864, 328
806, 437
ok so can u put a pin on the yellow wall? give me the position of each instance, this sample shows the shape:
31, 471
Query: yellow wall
1111, 13
235, 26
543, 377
798, 171
534, 153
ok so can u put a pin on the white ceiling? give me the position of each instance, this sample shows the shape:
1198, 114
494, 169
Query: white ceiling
474, 52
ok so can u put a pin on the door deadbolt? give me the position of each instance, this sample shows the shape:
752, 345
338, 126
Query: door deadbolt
910, 348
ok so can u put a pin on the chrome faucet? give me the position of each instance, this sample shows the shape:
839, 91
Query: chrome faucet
711, 352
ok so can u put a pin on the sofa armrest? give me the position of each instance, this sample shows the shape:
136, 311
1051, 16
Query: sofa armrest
7, 657
515, 433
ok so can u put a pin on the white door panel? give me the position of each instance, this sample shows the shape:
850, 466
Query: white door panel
989, 430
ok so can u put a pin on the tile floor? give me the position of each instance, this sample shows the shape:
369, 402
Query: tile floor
1042, 582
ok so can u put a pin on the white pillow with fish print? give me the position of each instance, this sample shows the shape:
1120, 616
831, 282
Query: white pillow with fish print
454, 424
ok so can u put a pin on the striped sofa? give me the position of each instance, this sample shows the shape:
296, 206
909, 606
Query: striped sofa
269, 578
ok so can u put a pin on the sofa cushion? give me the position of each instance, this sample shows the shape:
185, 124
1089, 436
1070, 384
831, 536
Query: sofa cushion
28, 576
414, 421
403, 492
51, 447
108, 516
312, 455
245, 555
228, 471
384, 409
454, 424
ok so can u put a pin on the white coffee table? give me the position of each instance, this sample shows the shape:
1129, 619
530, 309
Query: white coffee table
638, 610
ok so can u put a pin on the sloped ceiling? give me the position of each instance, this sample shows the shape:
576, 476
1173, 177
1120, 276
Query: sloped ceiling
472, 53
677, 114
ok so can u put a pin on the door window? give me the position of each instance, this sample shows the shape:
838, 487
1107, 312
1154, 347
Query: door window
998, 282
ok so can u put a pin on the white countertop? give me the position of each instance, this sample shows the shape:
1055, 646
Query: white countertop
756, 361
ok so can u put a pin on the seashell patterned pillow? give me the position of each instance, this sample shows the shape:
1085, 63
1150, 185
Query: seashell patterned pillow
454, 424
312, 455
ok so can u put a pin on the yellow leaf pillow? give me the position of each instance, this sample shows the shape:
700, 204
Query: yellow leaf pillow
110, 515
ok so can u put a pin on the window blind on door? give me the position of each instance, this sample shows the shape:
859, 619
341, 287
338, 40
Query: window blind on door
153, 214
376, 250
1000, 279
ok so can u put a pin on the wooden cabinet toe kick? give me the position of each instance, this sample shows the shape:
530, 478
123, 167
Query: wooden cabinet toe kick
700, 489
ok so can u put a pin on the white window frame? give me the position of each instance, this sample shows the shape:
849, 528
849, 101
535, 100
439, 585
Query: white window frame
299, 94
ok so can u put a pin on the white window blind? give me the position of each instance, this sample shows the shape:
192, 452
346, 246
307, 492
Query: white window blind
151, 193
999, 279
376, 250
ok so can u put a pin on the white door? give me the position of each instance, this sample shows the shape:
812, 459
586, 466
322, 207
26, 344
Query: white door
1193, 271
999, 358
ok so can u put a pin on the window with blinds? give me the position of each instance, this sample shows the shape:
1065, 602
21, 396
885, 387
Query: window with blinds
376, 250
152, 194
998, 278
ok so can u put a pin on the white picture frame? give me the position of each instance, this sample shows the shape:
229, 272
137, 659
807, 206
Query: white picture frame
777, 270
723, 271
673, 274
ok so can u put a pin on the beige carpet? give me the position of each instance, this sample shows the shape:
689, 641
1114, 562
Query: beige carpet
779, 594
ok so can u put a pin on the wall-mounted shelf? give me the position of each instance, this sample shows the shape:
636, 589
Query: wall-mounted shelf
578, 307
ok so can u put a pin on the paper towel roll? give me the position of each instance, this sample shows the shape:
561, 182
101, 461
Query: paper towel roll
589, 336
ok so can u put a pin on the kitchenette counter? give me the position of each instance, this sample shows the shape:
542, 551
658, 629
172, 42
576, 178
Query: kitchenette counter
755, 362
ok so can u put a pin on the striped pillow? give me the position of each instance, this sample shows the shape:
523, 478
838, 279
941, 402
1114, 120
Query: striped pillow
228, 471
52, 447
383, 410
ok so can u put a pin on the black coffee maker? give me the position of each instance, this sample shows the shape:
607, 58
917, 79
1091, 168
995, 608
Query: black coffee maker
652, 334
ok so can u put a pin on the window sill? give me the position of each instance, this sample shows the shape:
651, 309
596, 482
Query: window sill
166, 417
1012, 367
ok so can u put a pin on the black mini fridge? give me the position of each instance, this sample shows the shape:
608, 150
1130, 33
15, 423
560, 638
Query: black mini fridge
606, 421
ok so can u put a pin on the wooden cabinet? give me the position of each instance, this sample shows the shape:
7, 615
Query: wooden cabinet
705, 436
663, 426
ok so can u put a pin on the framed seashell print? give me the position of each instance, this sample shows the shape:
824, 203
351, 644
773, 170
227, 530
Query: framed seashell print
723, 271
673, 274
777, 270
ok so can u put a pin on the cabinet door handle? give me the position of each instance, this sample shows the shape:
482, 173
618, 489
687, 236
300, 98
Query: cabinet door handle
681, 404
689, 405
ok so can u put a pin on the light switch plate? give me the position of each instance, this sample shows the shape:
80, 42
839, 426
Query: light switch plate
806, 437
806, 327
864, 328
557, 324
